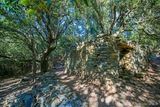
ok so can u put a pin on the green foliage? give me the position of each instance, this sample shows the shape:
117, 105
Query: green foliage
31, 12
31, 29
25, 2
66, 44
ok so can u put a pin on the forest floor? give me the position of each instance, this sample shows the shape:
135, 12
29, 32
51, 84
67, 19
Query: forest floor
115, 92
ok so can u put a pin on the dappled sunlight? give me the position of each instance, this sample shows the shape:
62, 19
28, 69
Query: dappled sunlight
9, 94
63, 77
45, 90
115, 92
92, 93
108, 99
93, 99
79, 53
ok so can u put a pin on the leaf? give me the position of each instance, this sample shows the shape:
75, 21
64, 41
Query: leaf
42, 6
86, 2
31, 12
24, 2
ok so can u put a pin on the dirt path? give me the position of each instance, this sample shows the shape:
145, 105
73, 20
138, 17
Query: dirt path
116, 92
45, 91
10, 88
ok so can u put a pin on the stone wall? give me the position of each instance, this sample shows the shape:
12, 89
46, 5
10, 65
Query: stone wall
105, 56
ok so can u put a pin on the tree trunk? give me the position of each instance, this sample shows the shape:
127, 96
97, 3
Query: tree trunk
34, 65
33, 50
44, 65
45, 58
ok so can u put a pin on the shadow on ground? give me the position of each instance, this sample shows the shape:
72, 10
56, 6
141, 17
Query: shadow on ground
44, 91
116, 92
61, 90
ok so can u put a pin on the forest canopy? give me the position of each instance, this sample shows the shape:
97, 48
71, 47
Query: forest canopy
34, 32
80, 53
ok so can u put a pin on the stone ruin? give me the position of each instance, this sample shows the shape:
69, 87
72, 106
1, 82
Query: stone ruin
111, 55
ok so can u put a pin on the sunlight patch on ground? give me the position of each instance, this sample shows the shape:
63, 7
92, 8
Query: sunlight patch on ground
93, 100
117, 94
